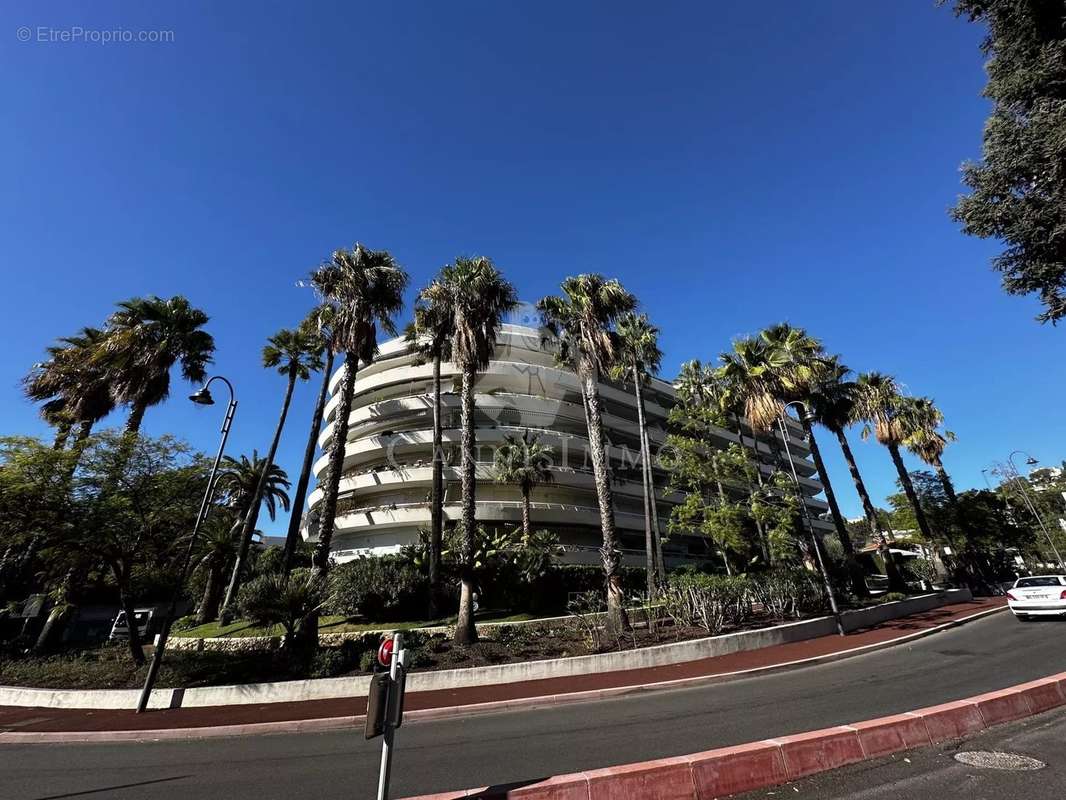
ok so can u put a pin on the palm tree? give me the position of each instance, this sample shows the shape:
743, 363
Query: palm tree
748, 387
72, 386
639, 355
479, 297
238, 480
217, 547
294, 354
317, 326
584, 316
431, 334
884, 410
801, 364
834, 405
144, 339
925, 439
365, 290
526, 462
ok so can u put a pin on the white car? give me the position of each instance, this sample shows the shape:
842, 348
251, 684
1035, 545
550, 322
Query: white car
1038, 596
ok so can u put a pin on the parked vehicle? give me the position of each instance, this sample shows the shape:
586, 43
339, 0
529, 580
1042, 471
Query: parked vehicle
1038, 596
143, 619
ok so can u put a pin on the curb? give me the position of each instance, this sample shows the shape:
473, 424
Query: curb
770, 762
428, 714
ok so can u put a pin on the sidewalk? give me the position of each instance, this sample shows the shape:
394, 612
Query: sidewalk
23, 719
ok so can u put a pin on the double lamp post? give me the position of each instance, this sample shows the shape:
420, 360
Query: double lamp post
202, 397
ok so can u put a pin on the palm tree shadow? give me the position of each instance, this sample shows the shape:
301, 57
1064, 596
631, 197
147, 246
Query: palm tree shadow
111, 788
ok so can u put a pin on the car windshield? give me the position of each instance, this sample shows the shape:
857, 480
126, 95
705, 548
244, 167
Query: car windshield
1024, 582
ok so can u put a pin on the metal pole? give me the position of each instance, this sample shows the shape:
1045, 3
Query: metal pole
1032, 506
205, 508
386, 741
807, 517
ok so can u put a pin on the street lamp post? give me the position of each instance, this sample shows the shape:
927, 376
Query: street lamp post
201, 397
807, 514
1030, 461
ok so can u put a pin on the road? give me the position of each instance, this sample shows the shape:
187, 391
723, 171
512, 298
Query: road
934, 771
987, 654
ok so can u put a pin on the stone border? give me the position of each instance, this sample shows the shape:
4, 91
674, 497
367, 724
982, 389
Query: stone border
232, 644
771, 762
353, 686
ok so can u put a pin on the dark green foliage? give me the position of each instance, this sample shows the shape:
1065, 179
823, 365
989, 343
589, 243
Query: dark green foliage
1019, 186
275, 599
380, 589
352, 655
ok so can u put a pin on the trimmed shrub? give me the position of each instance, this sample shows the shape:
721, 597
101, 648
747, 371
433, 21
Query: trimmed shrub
380, 588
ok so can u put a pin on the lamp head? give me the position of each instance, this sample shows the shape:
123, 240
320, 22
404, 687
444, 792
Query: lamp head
202, 397
1031, 461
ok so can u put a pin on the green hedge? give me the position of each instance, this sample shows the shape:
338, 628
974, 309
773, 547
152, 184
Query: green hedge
380, 588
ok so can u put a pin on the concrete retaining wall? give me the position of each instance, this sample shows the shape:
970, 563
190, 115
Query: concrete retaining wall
327, 688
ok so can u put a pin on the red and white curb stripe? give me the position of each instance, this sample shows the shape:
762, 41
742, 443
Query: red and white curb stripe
757, 765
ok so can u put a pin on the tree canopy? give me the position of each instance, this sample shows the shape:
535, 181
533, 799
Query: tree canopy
1018, 189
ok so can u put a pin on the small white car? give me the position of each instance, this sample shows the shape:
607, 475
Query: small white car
1038, 596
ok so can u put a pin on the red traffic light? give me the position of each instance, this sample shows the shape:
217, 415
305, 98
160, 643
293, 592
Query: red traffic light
385, 652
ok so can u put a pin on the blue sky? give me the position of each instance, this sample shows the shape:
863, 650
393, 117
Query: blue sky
733, 164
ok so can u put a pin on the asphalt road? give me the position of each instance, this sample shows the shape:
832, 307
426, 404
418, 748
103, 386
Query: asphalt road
987, 654
934, 771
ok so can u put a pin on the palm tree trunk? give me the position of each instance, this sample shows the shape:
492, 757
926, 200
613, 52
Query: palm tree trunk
133, 421
971, 565
252, 514
213, 587
655, 529
764, 538
895, 580
436, 508
62, 434
525, 512
912, 496
331, 483
617, 621
465, 630
858, 582
649, 542
292, 536
945, 481
331, 487
81, 440
134, 641
211, 598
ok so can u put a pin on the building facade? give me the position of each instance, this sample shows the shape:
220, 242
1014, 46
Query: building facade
385, 488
